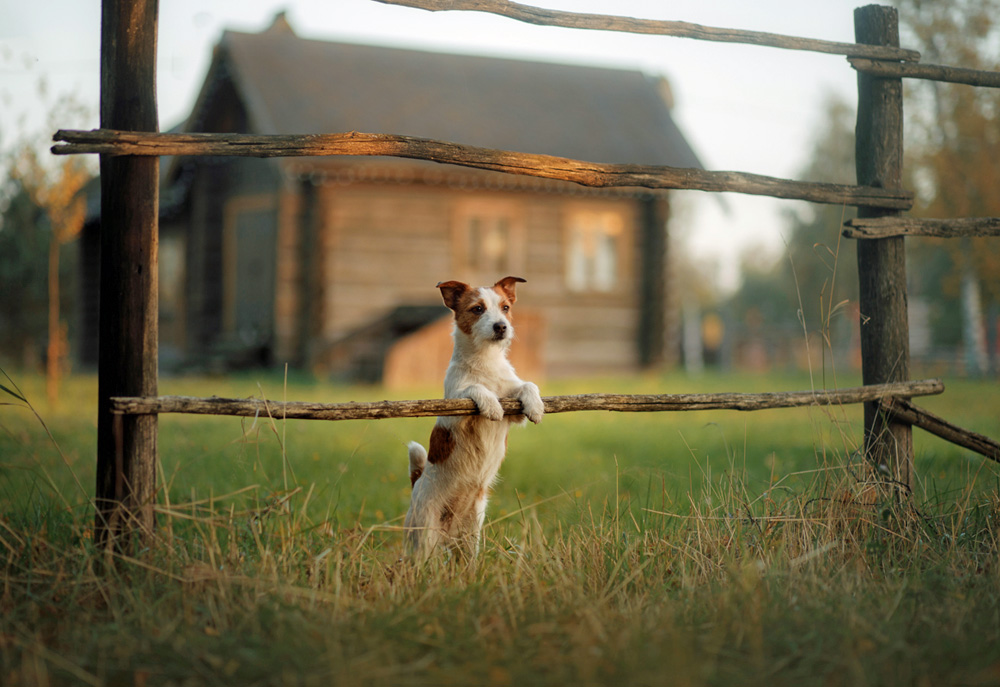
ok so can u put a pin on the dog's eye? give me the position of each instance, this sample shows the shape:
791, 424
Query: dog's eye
478, 309
506, 308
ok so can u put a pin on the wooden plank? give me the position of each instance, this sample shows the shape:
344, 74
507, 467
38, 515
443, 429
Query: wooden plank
652, 301
379, 410
885, 349
930, 72
883, 227
592, 174
602, 22
907, 412
127, 361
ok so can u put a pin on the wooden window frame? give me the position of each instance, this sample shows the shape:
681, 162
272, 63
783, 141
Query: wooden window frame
491, 209
624, 239
231, 212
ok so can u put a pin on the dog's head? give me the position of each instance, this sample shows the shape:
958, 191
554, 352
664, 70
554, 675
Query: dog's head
482, 313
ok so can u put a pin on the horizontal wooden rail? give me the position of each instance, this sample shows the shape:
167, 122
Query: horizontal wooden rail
884, 227
679, 29
930, 72
299, 410
106, 142
905, 411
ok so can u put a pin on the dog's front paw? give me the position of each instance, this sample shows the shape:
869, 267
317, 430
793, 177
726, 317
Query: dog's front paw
531, 401
489, 407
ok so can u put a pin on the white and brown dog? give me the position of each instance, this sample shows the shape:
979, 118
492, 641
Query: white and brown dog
451, 481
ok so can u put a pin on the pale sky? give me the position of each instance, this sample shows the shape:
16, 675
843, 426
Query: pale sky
743, 108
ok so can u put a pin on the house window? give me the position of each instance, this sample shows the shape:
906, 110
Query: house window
593, 251
488, 240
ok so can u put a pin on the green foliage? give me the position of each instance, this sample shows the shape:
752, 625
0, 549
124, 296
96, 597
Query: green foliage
824, 264
694, 548
953, 152
952, 148
24, 245
809, 289
40, 201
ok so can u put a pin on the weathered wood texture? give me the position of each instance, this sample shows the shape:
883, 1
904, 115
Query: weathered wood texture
679, 29
553, 404
905, 411
652, 259
584, 331
127, 364
884, 227
931, 72
593, 174
885, 351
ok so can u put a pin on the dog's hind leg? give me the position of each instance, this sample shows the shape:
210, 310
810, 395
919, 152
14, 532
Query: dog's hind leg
428, 519
480, 518
423, 535
467, 525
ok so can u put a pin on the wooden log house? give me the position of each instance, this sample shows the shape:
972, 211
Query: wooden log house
331, 263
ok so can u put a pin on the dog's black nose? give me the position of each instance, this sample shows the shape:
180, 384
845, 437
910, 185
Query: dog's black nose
499, 330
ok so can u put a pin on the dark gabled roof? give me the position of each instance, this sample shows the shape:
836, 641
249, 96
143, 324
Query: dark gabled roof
292, 85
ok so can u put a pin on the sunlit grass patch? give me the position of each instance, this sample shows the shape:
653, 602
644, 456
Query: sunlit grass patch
691, 548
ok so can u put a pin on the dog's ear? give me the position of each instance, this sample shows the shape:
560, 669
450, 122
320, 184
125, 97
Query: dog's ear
452, 291
507, 286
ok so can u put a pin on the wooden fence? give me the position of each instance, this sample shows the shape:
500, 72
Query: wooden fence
129, 146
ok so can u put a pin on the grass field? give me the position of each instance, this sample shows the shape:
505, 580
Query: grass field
675, 548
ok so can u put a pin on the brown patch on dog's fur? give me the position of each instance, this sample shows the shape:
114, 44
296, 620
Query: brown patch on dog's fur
447, 515
505, 287
452, 292
505, 302
467, 315
464, 301
441, 445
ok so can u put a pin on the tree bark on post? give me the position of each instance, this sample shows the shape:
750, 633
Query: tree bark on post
127, 362
885, 350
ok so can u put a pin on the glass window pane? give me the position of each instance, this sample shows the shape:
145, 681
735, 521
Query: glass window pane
592, 251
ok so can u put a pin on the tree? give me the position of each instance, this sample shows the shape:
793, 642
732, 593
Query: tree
954, 165
808, 289
825, 265
24, 240
57, 192
42, 207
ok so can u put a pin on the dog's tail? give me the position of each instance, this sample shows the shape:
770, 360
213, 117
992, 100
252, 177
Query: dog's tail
418, 461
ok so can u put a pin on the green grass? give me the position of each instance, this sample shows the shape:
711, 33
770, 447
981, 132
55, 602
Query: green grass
674, 548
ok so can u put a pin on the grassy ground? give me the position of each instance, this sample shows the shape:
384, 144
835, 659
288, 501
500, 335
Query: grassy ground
684, 548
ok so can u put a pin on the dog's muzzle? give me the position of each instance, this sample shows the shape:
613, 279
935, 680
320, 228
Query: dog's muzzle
499, 331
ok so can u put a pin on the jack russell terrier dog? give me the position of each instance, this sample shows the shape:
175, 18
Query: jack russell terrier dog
452, 479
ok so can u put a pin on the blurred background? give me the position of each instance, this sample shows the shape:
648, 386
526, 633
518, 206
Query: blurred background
329, 264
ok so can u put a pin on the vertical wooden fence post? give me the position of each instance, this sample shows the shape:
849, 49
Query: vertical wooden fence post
127, 362
885, 348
